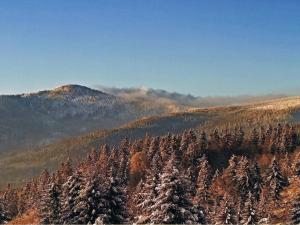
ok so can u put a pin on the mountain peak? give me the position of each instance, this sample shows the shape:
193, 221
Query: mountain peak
75, 90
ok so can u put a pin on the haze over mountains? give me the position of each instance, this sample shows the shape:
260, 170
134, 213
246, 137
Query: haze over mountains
70, 120
35, 119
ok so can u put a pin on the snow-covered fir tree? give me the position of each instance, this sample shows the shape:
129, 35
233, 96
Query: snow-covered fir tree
242, 179
154, 148
49, 208
70, 193
256, 181
249, 215
123, 174
202, 198
203, 144
232, 166
225, 213
4, 217
254, 138
90, 202
239, 137
147, 197
277, 181
172, 206
10, 200
114, 200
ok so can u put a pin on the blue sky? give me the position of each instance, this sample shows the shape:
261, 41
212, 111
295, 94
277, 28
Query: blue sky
202, 47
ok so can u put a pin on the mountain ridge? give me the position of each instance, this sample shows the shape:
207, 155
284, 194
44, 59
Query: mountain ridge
30, 120
26, 163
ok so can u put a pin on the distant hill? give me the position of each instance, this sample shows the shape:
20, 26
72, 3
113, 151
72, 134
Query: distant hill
36, 119
158, 96
19, 167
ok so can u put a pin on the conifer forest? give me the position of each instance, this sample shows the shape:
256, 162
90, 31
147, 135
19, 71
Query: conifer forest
223, 176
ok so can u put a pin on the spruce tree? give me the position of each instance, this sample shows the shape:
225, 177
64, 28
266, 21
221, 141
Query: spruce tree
90, 202
124, 163
239, 137
10, 199
249, 215
49, 209
147, 197
70, 194
225, 213
202, 198
256, 181
254, 139
114, 200
242, 179
4, 217
294, 139
276, 180
285, 140
154, 148
172, 204
262, 135
232, 166
215, 138
268, 135
203, 142
184, 144
166, 148
64, 172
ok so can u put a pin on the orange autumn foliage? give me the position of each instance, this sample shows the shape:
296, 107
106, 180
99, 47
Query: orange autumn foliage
30, 217
138, 165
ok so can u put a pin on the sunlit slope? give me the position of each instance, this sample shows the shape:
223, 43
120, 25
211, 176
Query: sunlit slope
17, 168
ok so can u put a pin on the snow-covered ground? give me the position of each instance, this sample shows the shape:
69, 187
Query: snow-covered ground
280, 104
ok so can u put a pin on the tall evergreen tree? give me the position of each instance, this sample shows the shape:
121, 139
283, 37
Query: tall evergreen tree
202, 198
268, 135
70, 193
90, 202
225, 213
49, 208
242, 179
147, 197
262, 138
64, 172
4, 217
294, 139
249, 215
172, 204
232, 166
285, 140
154, 148
254, 138
10, 200
124, 163
203, 142
276, 180
114, 211
239, 137
256, 181
215, 138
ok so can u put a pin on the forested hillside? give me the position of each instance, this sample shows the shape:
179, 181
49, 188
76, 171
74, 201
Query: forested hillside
17, 168
226, 176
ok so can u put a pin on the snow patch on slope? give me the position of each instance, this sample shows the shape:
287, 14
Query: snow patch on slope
281, 104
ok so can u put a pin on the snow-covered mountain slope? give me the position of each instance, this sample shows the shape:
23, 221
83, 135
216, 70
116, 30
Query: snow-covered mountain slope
280, 104
29, 120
